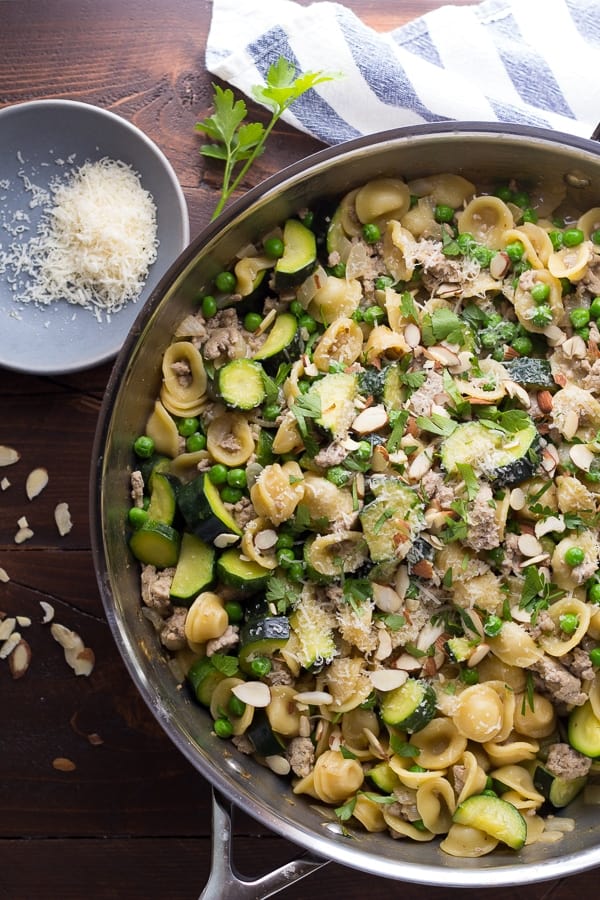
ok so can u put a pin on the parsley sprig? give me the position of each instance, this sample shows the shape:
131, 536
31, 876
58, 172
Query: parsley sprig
238, 143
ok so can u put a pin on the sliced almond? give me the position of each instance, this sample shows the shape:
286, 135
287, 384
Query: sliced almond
412, 335
68, 639
8, 455
313, 698
225, 540
265, 539
48, 611
545, 401
499, 265
442, 355
371, 419
386, 598
36, 482
9, 644
278, 764
254, 693
62, 764
407, 663
546, 526
22, 522
529, 545
387, 679
82, 661
420, 465
384, 645
423, 568
574, 347
22, 535
62, 517
23, 621
19, 659
478, 654
517, 499
5, 484
4, 576
7, 626
582, 456
570, 424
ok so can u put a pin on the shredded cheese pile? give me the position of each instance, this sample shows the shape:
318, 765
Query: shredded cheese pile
94, 245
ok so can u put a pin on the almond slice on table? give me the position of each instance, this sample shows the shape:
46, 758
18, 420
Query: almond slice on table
62, 517
8, 455
19, 659
36, 481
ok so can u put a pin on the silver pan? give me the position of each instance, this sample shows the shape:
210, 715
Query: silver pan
479, 151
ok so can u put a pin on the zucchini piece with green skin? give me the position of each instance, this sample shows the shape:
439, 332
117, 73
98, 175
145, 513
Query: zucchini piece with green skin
383, 776
238, 572
195, 569
327, 556
299, 255
371, 382
264, 448
504, 459
283, 343
459, 649
263, 738
494, 816
557, 790
584, 730
335, 395
532, 374
155, 544
203, 679
262, 637
394, 393
315, 637
203, 510
391, 519
163, 502
241, 384
409, 707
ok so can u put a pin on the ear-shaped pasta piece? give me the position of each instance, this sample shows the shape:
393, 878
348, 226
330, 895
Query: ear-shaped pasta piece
265, 558
348, 683
381, 199
536, 827
492, 668
336, 297
479, 712
487, 218
347, 216
185, 466
398, 250
206, 618
568, 578
161, 427
589, 222
219, 701
354, 723
440, 744
474, 777
287, 437
282, 712
526, 307
403, 828
229, 439
403, 765
420, 220
277, 491
341, 342
515, 647
515, 749
327, 550
333, 778
571, 262
326, 501
369, 814
466, 842
246, 272
184, 375
436, 805
534, 716
576, 412
536, 243
483, 590
446, 188
558, 643
382, 341
490, 387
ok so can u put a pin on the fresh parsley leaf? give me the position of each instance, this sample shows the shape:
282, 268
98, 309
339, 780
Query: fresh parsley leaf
347, 754
442, 325
228, 665
402, 748
282, 592
470, 479
412, 380
345, 812
437, 424
307, 406
271, 388
394, 621
356, 591
408, 307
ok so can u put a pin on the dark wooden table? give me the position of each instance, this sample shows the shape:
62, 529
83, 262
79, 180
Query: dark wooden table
130, 818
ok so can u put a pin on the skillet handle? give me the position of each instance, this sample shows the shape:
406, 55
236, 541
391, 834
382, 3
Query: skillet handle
225, 883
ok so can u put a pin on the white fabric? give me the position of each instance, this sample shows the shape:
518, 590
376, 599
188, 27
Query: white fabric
529, 62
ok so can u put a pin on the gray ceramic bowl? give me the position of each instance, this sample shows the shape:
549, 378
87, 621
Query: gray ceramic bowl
43, 140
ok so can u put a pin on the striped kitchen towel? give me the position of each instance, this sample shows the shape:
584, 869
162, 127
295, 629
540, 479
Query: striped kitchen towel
531, 62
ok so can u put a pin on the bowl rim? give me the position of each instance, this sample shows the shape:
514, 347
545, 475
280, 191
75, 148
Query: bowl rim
457, 873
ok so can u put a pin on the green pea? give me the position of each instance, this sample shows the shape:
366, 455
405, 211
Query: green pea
231, 494
579, 317
284, 541
234, 610
521, 198
514, 251
383, 282
556, 238
583, 333
285, 556
237, 478
594, 593
574, 556
371, 233
573, 236
504, 193
260, 666
443, 213
465, 241
225, 282
595, 656
339, 270
218, 473
565, 286
137, 516
296, 570
296, 308
270, 412
493, 625
469, 676
363, 451
338, 475
274, 248
523, 345
542, 316
308, 219
357, 315
308, 322
496, 555
195, 442
373, 314
488, 792
568, 623
595, 236
223, 727
595, 308
236, 706
540, 292
188, 426
252, 321
143, 446
209, 306
482, 255
497, 355
529, 215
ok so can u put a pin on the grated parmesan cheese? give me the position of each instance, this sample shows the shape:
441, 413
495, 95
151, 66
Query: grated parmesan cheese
95, 241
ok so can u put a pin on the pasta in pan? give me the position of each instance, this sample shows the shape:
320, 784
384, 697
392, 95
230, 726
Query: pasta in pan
366, 508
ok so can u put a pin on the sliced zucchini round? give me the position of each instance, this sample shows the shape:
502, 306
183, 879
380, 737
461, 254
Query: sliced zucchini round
239, 572
262, 637
584, 730
195, 569
383, 776
283, 342
203, 679
335, 395
504, 459
409, 707
241, 384
203, 510
558, 791
494, 816
155, 544
391, 519
532, 374
299, 256
163, 502
263, 738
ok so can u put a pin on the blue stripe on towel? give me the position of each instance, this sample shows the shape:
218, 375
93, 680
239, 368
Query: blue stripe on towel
586, 16
415, 38
507, 112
